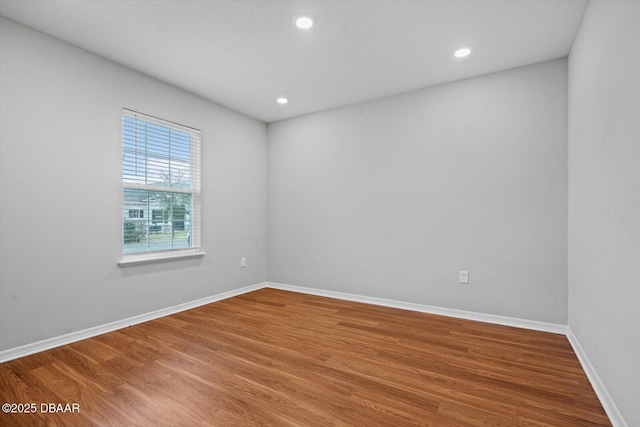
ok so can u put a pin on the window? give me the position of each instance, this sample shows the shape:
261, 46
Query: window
136, 213
161, 187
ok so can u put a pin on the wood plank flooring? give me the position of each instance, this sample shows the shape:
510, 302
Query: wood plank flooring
272, 357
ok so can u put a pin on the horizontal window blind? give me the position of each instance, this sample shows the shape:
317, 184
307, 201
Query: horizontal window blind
161, 184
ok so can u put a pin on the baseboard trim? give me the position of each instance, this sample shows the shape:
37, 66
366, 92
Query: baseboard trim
469, 315
47, 344
598, 386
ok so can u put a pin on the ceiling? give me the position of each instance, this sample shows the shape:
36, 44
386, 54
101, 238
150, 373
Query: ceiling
244, 54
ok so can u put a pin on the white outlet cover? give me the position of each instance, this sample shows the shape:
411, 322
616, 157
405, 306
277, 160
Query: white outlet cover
464, 277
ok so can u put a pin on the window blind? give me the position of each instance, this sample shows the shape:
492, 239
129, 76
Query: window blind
161, 184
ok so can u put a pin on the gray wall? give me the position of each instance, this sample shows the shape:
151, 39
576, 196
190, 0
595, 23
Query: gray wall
604, 197
60, 187
391, 198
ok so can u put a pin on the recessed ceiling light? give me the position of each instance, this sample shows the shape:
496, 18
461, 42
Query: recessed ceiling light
282, 100
304, 22
461, 53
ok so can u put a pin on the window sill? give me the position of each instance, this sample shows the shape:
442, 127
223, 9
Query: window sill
146, 258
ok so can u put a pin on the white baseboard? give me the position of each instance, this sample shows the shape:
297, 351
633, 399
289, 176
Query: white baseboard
469, 315
598, 386
36, 347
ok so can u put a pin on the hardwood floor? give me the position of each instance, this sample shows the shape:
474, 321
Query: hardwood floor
280, 358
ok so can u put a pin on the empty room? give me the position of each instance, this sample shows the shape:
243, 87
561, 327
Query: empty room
320, 213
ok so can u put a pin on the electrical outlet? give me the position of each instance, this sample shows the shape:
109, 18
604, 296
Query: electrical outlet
464, 276
243, 262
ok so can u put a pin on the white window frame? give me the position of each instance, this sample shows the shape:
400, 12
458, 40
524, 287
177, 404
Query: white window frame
194, 190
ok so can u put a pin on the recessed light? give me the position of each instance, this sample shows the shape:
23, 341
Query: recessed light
282, 100
304, 22
461, 53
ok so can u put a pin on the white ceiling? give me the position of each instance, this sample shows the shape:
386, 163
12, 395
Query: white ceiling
244, 54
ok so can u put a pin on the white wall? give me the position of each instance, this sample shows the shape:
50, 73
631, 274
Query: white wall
60, 189
604, 197
391, 198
